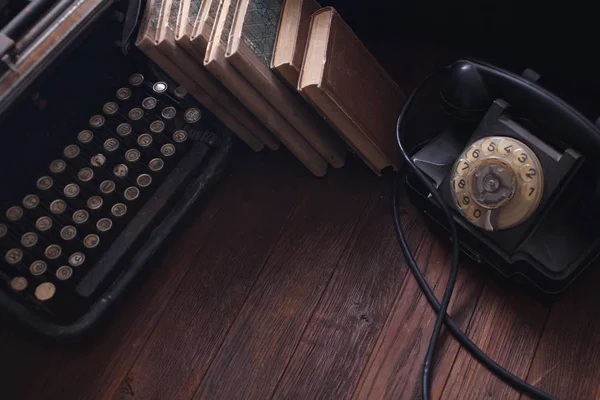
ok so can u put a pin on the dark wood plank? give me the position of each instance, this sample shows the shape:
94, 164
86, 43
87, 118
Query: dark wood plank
344, 329
98, 366
264, 335
567, 360
394, 370
507, 325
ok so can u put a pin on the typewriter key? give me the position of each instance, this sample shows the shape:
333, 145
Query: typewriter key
180, 136
71, 190
98, 160
94, 202
136, 80
38, 267
192, 115
43, 224
44, 183
31, 201
85, 174
149, 103
76, 259
91, 241
110, 108
14, 213
123, 94
53, 251
156, 164
68, 232
64, 272
124, 129
136, 114
80, 217
144, 140
107, 187
18, 284
71, 151
111, 145
3, 230
13, 256
86, 136
160, 87
144, 180
168, 112
58, 207
58, 166
97, 121
45, 291
167, 150
118, 210
29, 239
131, 193
157, 126
104, 224
120, 171
132, 155
180, 92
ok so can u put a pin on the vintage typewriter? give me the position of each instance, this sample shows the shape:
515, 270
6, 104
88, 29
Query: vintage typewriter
102, 155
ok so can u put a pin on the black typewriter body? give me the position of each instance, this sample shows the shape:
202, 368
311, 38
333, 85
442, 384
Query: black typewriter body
102, 156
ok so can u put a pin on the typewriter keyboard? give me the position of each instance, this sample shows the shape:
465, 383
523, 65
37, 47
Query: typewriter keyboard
54, 241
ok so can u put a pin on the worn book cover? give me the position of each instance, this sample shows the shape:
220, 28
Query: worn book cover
291, 38
249, 50
349, 87
146, 42
216, 62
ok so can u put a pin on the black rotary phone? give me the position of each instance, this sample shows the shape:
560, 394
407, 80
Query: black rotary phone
520, 169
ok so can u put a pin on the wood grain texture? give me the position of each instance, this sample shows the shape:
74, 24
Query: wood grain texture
263, 337
346, 324
567, 360
394, 370
506, 325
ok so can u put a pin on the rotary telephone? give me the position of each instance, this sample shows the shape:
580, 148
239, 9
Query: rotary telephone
518, 166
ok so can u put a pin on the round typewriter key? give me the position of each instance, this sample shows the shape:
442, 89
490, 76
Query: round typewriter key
157, 126
168, 112
120, 171
44, 183
76, 259
43, 224
132, 155
14, 213
71, 190
85, 136
31, 201
3, 230
29, 239
123, 94
107, 187
53, 251
80, 217
94, 202
98, 160
124, 129
91, 241
38, 267
13, 256
110, 108
156, 164
149, 103
97, 121
68, 232
71, 151
64, 272
180, 92
131, 193
85, 174
136, 80
118, 210
45, 291
144, 140
18, 284
111, 145
180, 136
144, 180
160, 87
192, 115
104, 224
167, 150
136, 114
58, 166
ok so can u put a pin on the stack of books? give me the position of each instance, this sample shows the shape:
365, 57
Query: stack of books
292, 74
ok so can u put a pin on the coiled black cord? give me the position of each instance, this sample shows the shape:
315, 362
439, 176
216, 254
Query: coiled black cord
441, 309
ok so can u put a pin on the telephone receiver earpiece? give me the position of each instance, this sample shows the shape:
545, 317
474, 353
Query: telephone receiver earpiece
464, 94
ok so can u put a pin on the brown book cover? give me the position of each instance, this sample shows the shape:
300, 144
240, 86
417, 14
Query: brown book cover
146, 42
291, 38
350, 88
215, 62
249, 50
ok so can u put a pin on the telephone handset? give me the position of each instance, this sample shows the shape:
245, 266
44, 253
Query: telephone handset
519, 167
